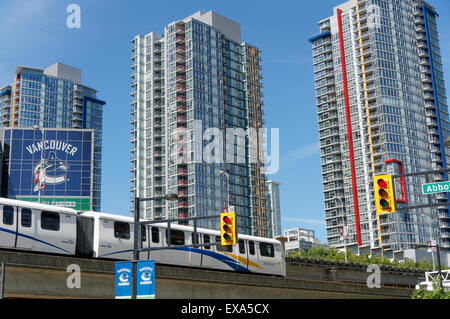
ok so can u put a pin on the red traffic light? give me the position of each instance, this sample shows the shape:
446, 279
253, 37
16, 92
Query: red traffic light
227, 219
382, 183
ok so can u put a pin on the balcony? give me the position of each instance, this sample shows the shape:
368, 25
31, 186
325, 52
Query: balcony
428, 96
179, 30
181, 98
181, 88
182, 182
182, 204
181, 68
179, 39
181, 78
180, 49
181, 108
181, 118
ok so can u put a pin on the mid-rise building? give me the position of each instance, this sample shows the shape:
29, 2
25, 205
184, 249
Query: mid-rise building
190, 84
301, 239
55, 98
381, 101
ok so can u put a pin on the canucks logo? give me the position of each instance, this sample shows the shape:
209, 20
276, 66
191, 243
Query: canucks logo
123, 277
146, 276
50, 171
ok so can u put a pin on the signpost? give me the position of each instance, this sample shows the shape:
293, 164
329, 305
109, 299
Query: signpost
434, 188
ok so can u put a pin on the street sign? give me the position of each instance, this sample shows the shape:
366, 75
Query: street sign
123, 271
145, 279
434, 188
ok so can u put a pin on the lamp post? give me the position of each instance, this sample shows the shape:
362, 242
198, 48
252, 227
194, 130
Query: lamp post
137, 233
228, 186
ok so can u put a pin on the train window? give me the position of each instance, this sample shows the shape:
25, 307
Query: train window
8, 215
251, 247
155, 235
26, 217
227, 248
121, 230
266, 250
206, 240
241, 246
143, 233
176, 237
50, 221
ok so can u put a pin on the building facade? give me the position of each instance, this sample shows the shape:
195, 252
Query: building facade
298, 239
196, 92
381, 100
55, 98
273, 203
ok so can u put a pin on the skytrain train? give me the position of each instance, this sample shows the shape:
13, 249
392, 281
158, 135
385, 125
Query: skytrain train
36, 227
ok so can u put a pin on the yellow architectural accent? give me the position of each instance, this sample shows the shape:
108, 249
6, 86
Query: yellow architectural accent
243, 260
366, 97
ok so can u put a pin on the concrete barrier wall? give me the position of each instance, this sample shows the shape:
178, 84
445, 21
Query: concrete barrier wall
44, 276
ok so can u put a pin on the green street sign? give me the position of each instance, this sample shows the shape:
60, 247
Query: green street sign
434, 188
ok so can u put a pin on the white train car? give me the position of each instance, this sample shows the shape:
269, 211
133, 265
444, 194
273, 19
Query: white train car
114, 234
51, 229
37, 227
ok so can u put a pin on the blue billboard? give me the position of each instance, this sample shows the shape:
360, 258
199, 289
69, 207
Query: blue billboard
52, 166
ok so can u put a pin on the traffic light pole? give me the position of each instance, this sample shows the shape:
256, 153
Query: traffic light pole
137, 248
445, 204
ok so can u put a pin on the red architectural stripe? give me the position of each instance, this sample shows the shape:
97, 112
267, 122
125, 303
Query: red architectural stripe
349, 129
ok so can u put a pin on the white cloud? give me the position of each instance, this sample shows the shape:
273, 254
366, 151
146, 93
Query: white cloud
301, 153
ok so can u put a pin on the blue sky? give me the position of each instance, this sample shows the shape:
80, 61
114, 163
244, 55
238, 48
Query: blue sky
34, 33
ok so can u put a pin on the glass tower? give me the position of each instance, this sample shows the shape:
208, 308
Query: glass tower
55, 98
196, 90
273, 200
381, 102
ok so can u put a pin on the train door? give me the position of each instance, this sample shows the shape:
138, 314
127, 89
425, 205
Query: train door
195, 253
174, 255
228, 259
155, 241
8, 226
207, 253
144, 243
26, 228
50, 230
242, 254
252, 257
267, 257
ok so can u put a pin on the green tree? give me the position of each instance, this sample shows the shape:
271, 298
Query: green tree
436, 293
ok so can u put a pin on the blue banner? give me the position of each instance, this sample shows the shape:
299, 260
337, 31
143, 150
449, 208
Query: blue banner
145, 279
123, 274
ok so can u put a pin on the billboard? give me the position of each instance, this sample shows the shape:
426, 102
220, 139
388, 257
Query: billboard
52, 166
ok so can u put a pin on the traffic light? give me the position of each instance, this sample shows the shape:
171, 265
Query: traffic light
384, 194
228, 228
